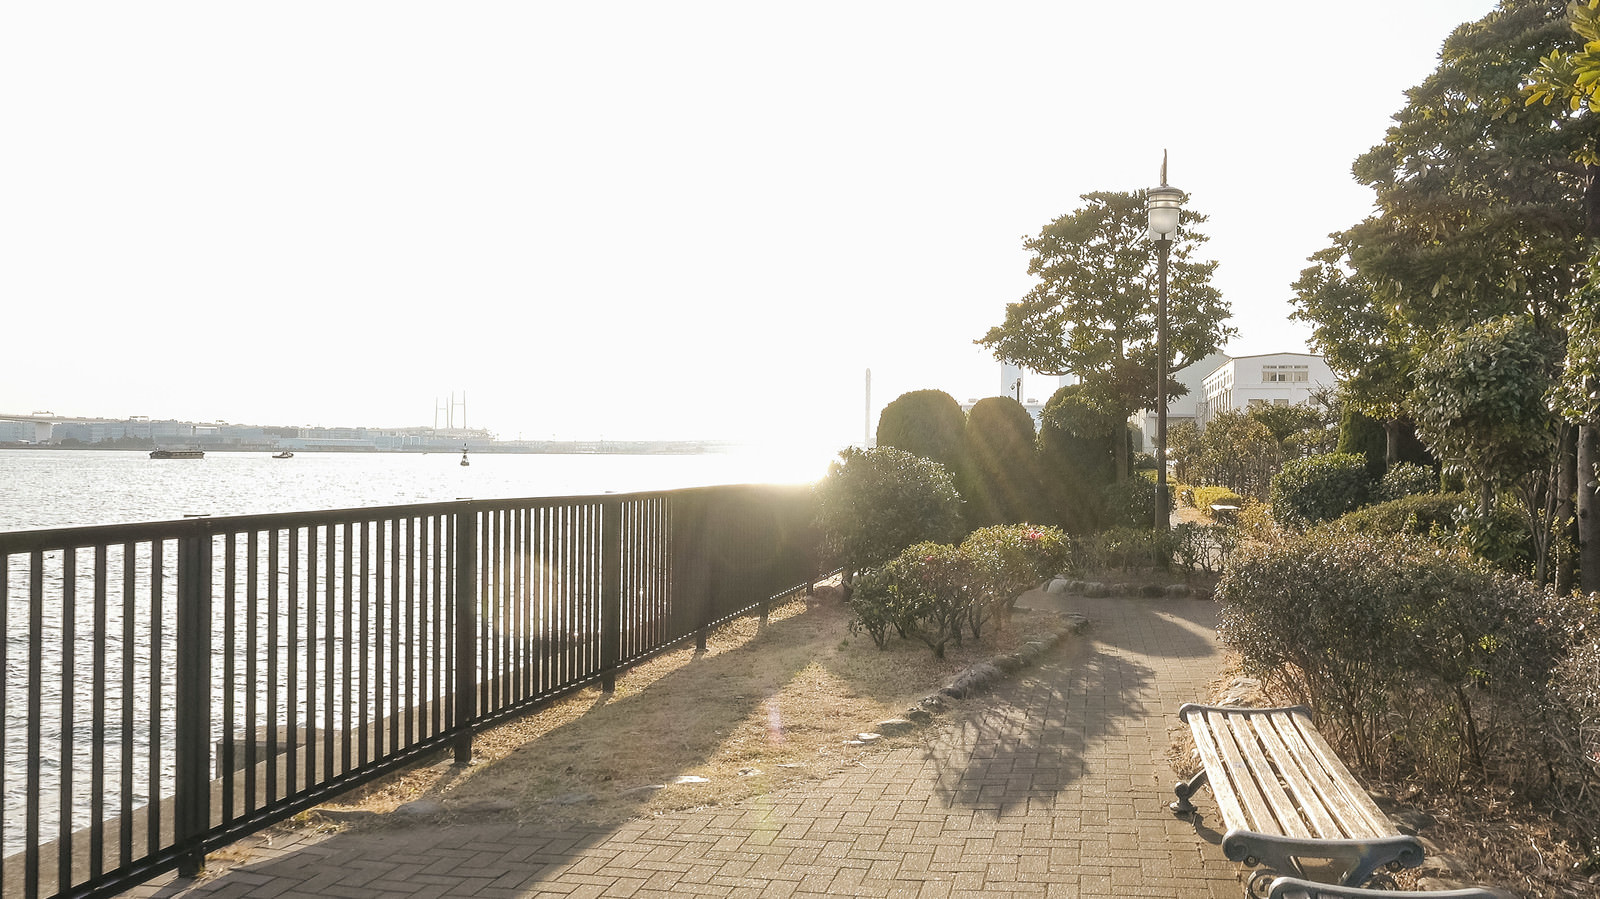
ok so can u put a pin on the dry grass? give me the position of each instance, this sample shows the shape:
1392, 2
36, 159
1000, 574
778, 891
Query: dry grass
762, 708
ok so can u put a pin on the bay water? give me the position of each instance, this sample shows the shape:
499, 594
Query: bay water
70, 488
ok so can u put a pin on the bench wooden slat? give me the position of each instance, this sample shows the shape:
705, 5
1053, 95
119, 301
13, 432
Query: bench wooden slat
1323, 787
1356, 810
1292, 763
1273, 771
1221, 787
1254, 810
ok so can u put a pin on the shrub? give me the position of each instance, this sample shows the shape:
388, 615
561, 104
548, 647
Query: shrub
926, 423
930, 586
1001, 481
874, 503
1076, 452
1422, 514
1203, 547
1126, 549
1412, 653
1407, 479
1319, 488
1132, 503
1206, 497
1008, 561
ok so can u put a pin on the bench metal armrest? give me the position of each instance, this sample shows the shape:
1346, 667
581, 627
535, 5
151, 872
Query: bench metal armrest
1296, 888
1282, 853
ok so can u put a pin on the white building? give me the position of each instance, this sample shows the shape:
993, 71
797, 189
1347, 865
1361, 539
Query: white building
1277, 379
1183, 408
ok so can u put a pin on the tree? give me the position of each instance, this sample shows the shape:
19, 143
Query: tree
1480, 408
1486, 207
926, 423
1001, 482
873, 503
1369, 350
1092, 314
1077, 459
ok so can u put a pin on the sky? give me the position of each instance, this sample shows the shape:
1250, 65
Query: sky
634, 220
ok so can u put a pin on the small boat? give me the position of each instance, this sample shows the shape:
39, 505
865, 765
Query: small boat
284, 455
464, 456
177, 454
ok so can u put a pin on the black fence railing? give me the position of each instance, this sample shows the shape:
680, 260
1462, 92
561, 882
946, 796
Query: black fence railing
172, 686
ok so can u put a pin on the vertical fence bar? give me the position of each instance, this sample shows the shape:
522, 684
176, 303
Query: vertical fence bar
609, 590
192, 785
466, 601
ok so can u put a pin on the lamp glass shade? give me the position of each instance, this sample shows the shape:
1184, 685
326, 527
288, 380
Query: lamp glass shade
1163, 208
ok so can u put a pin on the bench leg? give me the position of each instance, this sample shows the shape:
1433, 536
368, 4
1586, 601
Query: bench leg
1185, 789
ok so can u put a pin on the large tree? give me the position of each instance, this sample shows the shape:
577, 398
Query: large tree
1093, 312
1481, 205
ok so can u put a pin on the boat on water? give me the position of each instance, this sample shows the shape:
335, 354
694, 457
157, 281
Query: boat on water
284, 455
464, 456
177, 454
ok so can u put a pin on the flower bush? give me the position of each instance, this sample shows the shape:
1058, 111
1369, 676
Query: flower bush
933, 591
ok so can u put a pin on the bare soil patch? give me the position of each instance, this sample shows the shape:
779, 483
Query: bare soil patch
762, 708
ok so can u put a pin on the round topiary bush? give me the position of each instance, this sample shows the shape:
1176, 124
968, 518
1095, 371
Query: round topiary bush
1321, 488
873, 503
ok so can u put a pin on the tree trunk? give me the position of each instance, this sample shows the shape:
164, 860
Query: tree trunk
1566, 522
1391, 442
1588, 535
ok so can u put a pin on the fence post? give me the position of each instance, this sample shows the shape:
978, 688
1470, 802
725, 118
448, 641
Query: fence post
610, 590
192, 703
465, 521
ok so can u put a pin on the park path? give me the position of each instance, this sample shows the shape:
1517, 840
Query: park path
1056, 787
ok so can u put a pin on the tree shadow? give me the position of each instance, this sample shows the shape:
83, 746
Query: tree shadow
1031, 741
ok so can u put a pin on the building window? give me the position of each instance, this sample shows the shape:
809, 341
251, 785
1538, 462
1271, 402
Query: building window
1285, 374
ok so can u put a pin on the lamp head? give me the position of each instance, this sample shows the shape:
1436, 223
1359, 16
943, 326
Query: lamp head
1163, 208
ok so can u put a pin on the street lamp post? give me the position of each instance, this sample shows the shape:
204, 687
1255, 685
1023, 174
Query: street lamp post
1163, 209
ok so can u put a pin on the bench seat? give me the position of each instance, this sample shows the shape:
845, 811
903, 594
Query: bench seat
1285, 797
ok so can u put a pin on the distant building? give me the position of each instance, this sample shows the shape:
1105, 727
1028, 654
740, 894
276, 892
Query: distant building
1183, 408
1014, 384
1277, 379
22, 431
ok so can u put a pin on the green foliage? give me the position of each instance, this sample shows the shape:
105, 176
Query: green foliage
1419, 514
1203, 498
932, 591
1320, 488
1406, 479
1577, 395
1234, 451
1132, 503
1126, 549
1402, 646
1076, 458
1499, 537
1203, 547
1479, 400
1000, 481
926, 423
1366, 437
875, 502
1010, 560
1092, 313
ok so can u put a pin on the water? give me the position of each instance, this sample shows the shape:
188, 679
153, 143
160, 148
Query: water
69, 488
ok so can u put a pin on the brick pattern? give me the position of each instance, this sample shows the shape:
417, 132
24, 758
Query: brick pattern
1057, 787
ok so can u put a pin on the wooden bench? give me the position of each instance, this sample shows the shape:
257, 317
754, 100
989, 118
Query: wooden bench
1286, 798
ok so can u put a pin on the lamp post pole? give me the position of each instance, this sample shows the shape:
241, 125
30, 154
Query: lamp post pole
1163, 209
1164, 247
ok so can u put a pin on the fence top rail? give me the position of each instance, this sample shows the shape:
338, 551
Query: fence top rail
54, 539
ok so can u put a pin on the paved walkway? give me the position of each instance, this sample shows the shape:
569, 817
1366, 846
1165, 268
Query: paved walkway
1057, 788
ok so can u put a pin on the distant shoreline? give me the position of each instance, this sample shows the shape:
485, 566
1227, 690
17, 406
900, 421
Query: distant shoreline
557, 448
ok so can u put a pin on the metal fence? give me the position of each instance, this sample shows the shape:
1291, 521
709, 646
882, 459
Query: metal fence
170, 687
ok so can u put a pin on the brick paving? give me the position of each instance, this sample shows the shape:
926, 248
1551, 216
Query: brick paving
1056, 788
